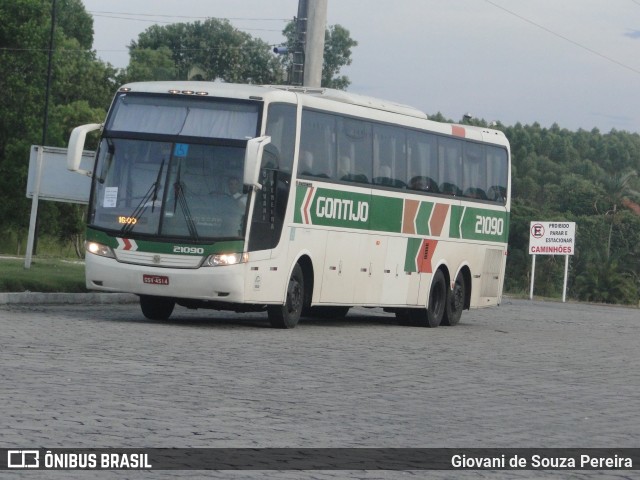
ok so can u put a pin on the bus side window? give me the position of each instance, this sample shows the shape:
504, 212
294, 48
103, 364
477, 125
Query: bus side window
354, 150
424, 184
497, 173
389, 156
317, 144
281, 127
450, 165
474, 173
422, 162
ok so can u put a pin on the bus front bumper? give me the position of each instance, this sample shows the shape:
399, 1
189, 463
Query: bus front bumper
224, 283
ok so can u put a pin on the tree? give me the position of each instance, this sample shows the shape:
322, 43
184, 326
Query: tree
24, 36
556, 175
604, 282
337, 54
211, 50
75, 22
146, 64
616, 187
81, 83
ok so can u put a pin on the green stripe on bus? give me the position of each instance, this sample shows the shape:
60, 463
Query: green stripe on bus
339, 208
229, 246
413, 245
300, 196
386, 214
422, 219
470, 223
361, 211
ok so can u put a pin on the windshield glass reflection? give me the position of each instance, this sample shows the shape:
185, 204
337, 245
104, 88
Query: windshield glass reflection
169, 189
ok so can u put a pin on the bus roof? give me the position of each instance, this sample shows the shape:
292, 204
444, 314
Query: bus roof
247, 91
234, 90
355, 99
258, 92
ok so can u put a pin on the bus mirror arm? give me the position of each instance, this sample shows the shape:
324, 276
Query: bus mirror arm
253, 161
76, 146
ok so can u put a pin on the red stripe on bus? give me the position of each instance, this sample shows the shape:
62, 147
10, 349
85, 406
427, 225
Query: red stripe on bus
409, 216
458, 131
438, 217
307, 203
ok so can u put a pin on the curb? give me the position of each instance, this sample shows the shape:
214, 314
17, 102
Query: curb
66, 298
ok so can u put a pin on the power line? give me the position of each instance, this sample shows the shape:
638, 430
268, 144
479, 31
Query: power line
566, 39
70, 50
190, 16
168, 23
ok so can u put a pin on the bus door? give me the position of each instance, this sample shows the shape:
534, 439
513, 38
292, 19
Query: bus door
270, 204
340, 268
396, 282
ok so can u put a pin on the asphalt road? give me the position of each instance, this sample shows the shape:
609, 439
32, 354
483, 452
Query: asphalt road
525, 374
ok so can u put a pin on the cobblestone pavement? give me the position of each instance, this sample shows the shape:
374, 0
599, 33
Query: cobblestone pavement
525, 374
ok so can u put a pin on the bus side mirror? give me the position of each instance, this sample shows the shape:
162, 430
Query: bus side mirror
76, 146
253, 161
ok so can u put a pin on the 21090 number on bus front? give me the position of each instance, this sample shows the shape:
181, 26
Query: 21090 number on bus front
489, 225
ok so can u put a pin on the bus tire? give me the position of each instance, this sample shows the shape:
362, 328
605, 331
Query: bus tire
288, 315
432, 315
156, 308
455, 302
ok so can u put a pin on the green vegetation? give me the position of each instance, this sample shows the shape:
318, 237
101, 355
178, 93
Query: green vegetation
589, 178
45, 275
586, 176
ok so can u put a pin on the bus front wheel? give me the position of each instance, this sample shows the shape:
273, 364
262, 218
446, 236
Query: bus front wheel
156, 308
288, 315
433, 314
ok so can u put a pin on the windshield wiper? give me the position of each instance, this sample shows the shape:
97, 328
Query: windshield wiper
111, 152
180, 196
152, 194
155, 186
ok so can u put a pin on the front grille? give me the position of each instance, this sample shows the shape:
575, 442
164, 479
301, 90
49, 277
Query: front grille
158, 259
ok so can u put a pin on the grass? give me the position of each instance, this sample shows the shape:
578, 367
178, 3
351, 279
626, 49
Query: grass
45, 275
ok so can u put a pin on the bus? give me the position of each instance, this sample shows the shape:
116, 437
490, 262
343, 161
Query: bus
295, 201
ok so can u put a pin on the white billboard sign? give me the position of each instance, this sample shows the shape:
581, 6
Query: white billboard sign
552, 238
49, 179
56, 182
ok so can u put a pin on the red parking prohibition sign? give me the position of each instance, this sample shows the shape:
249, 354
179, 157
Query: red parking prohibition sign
537, 230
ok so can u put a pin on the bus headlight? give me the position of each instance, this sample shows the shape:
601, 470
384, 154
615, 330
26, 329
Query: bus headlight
221, 259
99, 249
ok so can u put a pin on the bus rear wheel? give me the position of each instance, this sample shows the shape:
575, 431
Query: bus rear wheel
432, 316
288, 315
455, 303
156, 308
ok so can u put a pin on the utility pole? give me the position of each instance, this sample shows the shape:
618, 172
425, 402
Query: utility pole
297, 66
314, 47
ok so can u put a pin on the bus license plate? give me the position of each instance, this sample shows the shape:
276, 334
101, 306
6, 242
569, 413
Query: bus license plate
155, 279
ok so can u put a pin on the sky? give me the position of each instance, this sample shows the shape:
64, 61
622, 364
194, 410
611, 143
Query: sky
571, 62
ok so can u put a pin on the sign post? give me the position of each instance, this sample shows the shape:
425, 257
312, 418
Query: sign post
552, 238
49, 179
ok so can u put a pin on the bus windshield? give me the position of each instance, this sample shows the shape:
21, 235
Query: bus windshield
170, 189
183, 116
172, 166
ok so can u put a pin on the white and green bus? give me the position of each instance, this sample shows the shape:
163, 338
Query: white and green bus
294, 201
